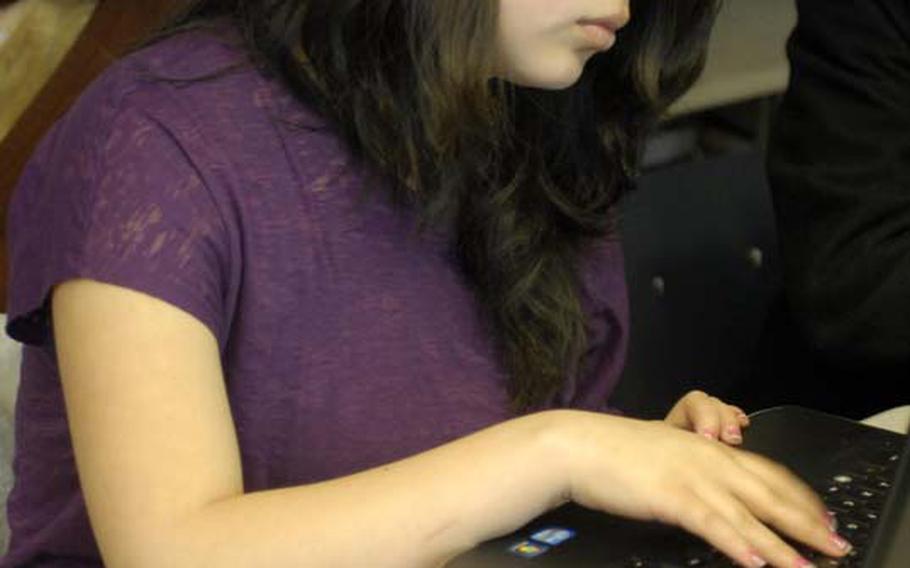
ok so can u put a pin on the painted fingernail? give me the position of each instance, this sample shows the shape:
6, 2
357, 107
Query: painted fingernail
831, 521
841, 544
803, 563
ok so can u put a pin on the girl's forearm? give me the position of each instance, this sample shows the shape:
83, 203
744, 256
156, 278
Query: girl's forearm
416, 512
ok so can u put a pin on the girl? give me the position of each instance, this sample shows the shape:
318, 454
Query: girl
251, 359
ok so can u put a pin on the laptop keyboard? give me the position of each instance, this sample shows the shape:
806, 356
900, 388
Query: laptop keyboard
856, 494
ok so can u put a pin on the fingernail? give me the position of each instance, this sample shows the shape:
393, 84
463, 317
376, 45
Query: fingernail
757, 561
841, 544
734, 435
831, 521
803, 563
709, 434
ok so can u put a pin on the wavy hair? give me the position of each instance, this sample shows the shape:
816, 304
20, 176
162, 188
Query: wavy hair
524, 179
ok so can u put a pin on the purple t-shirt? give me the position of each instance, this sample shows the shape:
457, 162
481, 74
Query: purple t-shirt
346, 341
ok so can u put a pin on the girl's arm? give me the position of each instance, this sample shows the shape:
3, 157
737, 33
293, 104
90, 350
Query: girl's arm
160, 467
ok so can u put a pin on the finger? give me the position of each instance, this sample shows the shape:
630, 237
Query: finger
680, 416
677, 416
704, 415
731, 430
741, 416
697, 517
760, 538
782, 481
780, 499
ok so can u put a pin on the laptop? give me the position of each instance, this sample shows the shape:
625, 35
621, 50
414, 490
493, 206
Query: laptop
862, 473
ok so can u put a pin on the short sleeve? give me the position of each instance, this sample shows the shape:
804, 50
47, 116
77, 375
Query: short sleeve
113, 196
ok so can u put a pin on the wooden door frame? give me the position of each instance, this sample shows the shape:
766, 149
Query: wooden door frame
115, 27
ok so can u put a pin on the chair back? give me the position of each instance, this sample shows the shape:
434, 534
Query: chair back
703, 270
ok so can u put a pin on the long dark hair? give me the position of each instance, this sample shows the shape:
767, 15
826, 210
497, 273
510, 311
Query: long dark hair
523, 178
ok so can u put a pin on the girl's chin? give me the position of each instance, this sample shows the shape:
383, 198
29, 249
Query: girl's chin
556, 76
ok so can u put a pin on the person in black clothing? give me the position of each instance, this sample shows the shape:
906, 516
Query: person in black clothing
839, 169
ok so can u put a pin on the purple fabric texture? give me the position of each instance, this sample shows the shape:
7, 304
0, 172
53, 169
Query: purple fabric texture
347, 342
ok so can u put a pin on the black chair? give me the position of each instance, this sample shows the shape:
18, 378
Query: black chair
703, 270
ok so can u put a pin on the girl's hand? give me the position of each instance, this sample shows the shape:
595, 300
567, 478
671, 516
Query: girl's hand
710, 417
733, 499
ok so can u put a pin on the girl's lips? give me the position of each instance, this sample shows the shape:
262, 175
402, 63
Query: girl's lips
602, 31
600, 34
611, 24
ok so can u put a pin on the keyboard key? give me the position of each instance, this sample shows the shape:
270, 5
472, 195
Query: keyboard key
872, 469
857, 476
871, 488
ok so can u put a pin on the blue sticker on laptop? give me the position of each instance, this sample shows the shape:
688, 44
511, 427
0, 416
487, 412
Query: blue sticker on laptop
528, 549
553, 536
